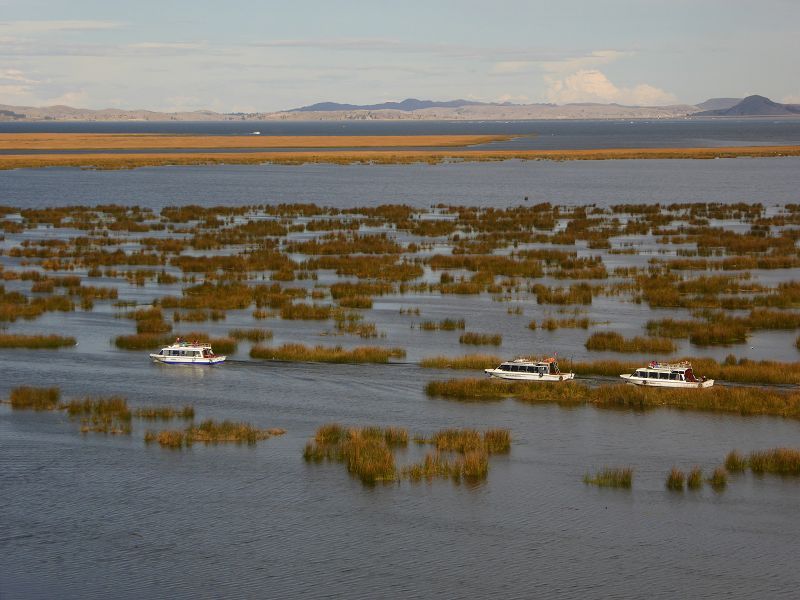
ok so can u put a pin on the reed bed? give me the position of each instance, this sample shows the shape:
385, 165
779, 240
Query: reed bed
142, 341
675, 479
778, 461
468, 361
329, 354
480, 339
742, 401
37, 341
34, 398
211, 432
443, 325
616, 477
613, 341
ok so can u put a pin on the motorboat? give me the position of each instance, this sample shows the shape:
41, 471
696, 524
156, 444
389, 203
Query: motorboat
671, 375
529, 369
187, 353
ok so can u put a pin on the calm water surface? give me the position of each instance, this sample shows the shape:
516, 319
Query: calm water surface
101, 516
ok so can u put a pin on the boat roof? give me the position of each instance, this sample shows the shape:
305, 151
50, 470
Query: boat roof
188, 346
522, 360
678, 366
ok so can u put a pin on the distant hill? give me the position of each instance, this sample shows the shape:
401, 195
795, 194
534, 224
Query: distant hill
754, 106
719, 103
408, 105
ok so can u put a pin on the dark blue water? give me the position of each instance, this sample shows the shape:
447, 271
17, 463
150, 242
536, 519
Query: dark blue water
767, 180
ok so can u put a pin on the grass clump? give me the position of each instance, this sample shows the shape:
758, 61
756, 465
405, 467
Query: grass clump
613, 341
481, 339
329, 354
718, 479
469, 361
611, 477
34, 398
675, 479
694, 480
49, 342
735, 462
142, 341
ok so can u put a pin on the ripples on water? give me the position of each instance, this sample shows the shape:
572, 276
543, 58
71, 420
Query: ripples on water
94, 516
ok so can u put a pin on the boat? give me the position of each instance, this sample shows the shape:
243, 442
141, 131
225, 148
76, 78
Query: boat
187, 353
529, 369
670, 375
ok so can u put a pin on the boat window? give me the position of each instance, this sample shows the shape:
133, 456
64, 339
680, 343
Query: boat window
197, 353
674, 376
640, 374
543, 370
652, 375
663, 375
533, 369
515, 368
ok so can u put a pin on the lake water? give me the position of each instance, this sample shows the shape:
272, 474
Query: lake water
107, 516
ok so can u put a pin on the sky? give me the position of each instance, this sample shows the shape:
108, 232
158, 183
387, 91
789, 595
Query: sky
245, 56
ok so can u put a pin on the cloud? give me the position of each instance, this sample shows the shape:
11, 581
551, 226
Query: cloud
791, 99
34, 27
167, 46
15, 75
591, 85
565, 64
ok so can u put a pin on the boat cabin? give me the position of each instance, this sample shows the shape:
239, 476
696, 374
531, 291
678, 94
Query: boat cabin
547, 367
667, 372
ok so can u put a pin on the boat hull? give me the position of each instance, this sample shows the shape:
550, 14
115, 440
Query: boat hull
187, 360
666, 383
517, 376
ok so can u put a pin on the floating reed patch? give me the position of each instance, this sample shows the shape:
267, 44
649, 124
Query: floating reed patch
329, 354
443, 325
367, 452
102, 415
469, 361
211, 432
48, 342
615, 342
617, 477
34, 398
142, 341
481, 339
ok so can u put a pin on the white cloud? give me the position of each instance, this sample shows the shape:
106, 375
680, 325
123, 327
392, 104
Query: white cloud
791, 99
587, 61
166, 46
33, 27
15, 75
591, 85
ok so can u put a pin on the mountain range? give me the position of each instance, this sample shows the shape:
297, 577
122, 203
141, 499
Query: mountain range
413, 109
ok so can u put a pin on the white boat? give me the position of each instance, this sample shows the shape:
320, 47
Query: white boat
529, 369
187, 353
670, 375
